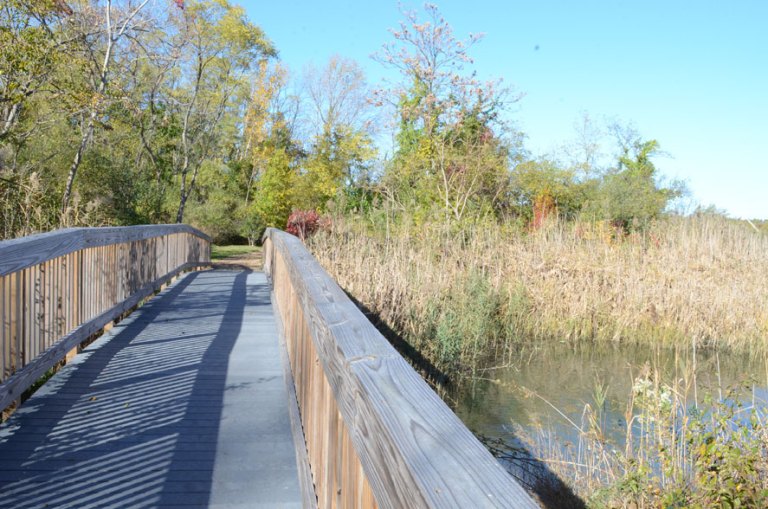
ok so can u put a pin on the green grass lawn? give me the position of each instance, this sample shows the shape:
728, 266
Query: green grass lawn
223, 252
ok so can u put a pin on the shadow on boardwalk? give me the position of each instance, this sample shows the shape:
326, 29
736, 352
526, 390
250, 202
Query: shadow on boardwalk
135, 421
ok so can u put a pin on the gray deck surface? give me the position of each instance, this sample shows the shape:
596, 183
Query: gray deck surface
183, 404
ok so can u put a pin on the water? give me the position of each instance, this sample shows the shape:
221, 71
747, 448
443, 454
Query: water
548, 387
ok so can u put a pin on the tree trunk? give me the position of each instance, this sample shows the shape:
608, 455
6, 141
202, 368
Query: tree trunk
112, 37
76, 164
182, 204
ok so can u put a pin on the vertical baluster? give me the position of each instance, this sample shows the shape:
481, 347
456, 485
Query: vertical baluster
120, 281
29, 311
55, 301
69, 296
102, 261
95, 265
63, 293
39, 312
87, 284
99, 271
47, 307
5, 326
16, 323
113, 294
37, 315
45, 326
77, 275
22, 315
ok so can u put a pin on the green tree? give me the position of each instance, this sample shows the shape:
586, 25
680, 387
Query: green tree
115, 24
29, 52
341, 150
536, 181
335, 162
32, 50
631, 195
275, 154
219, 47
276, 191
451, 154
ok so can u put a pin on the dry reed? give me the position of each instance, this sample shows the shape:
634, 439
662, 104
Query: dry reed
464, 296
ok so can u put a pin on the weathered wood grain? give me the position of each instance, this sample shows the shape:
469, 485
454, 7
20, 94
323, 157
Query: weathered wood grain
17, 254
308, 495
413, 450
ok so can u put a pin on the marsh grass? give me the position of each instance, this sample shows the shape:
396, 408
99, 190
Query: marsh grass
466, 297
676, 453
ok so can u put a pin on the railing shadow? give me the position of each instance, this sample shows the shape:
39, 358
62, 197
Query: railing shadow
533, 474
135, 421
44, 439
200, 423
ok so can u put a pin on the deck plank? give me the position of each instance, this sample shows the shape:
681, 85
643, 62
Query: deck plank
183, 404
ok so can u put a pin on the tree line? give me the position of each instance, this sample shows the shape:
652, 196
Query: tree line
155, 111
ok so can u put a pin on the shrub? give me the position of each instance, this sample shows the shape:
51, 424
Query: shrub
303, 223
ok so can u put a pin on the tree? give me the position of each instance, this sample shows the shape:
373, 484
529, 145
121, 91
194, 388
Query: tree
341, 117
29, 53
276, 192
472, 168
451, 149
219, 46
338, 159
584, 153
431, 61
276, 153
100, 48
338, 95
630, 195
542, 185
270, 121
146, 93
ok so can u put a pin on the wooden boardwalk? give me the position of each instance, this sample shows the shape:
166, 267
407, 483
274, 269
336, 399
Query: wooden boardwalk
183, 404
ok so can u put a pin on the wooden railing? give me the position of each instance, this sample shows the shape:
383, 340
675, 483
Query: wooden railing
59, 288
376, 434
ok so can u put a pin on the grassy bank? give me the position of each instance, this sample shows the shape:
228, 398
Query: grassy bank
676, 453
464, 298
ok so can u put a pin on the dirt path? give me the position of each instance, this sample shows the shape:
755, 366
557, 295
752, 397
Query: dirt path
251, 261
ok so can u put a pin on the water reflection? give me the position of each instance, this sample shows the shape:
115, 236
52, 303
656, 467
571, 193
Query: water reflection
549, 386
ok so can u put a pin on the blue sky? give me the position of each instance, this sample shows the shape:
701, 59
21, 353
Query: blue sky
691, 74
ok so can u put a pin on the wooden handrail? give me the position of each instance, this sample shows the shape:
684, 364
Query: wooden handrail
376, 433
59, 288
18, 254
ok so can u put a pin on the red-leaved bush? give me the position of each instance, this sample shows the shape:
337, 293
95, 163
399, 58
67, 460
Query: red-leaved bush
303, 223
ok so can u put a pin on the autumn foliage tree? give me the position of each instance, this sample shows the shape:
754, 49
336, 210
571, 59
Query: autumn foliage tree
145, 111
451, 154
341, 146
